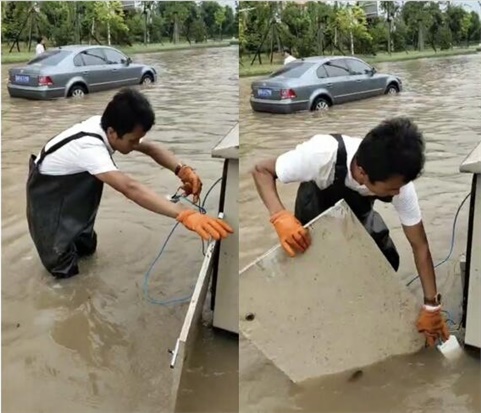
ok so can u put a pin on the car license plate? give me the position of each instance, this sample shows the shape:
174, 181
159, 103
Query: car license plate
264, 93
22, 79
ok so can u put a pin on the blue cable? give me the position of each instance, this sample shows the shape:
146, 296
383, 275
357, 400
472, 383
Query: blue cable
148, 274
452, 240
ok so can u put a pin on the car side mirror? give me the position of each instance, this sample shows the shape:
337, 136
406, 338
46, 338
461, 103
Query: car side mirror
373, 71
129, 61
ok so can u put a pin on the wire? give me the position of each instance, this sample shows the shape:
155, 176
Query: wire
148, 274
452, 240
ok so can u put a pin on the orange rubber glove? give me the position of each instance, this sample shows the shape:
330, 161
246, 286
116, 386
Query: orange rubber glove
191, 182
206, 226
292, 235
432, 324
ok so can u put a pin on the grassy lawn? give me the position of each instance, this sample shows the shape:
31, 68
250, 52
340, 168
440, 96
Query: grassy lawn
266, 68
24, 55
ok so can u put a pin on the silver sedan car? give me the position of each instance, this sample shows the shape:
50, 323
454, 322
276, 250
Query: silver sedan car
74, 71
315, 83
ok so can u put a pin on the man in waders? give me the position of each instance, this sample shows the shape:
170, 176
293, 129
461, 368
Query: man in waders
66, 179
382, 166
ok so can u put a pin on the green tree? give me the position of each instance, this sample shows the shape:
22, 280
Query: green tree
220, 18
351, 22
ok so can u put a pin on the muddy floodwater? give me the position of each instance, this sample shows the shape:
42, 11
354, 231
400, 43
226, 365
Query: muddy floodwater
444, 97
93, 343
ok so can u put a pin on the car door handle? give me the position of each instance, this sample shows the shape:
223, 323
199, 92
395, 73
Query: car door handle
114, 70
85, 73
359, 80
328, 84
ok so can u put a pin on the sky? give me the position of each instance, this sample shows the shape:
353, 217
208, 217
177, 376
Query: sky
230, 3
470, 5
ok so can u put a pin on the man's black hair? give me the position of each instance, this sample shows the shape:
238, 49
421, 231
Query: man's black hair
128, 109
394, 147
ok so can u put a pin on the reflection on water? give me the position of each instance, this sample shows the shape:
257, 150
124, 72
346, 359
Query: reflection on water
443, 96
91, 343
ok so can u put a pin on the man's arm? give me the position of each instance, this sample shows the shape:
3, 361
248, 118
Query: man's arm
422, 257
140, 194
205, 226
192, 183
159, 154
430, 321
264, 174
293, 237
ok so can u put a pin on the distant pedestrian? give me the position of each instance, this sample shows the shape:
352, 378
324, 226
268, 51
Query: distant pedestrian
40, 48
288, 58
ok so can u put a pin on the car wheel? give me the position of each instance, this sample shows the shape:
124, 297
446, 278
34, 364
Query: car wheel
77, 91
392, 90
147, 79
320, 104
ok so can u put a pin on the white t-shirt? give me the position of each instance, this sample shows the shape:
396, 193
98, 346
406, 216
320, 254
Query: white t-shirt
315, 160
289, 59
87, 154
39, 49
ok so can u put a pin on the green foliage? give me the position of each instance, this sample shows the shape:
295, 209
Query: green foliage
88, 21
315, 28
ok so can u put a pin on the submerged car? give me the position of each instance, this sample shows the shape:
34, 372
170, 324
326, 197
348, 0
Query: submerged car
315, 83
75, 71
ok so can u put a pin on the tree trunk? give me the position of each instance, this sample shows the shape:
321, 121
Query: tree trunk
389, 37
352, 42
108, 22
335, 39
420, 37
92, 31
145, 28
77, 24
319, 39
176, 31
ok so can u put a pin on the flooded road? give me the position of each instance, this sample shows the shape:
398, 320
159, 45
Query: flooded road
92, 343
444, 97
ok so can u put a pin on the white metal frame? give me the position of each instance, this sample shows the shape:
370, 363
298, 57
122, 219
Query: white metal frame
472, 285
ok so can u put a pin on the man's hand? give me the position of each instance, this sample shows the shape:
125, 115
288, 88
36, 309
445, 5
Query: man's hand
192, 183
205, 226
432, 324
292, 235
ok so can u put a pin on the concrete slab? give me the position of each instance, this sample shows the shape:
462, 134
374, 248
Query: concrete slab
472, 163
228, 146
339, 306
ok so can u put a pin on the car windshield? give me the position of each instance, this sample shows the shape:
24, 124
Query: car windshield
49, 58
292, 70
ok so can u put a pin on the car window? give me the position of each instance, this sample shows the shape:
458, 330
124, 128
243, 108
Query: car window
321, 72
294, 69
77, 60
113, 56
93, 57
337, 68
49, 58
358, 67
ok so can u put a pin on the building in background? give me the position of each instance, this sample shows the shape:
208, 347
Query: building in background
132, 5
371, 8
